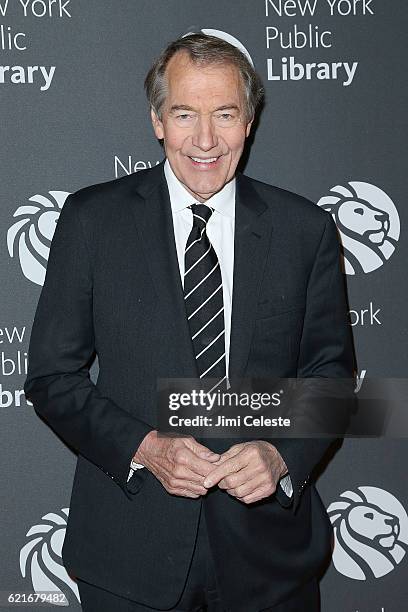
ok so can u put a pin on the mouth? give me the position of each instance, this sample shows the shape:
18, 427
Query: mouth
204, 163
377, 237
387, 542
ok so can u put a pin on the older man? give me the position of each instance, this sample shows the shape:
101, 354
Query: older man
189, 269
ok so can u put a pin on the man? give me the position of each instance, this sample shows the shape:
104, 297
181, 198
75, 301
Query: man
189, 269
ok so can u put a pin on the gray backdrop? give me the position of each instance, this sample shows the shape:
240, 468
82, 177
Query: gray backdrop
81, 118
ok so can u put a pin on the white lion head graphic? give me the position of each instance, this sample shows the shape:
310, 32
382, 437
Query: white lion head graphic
41, 556
33, 231
224, 36
368, 224
370, 533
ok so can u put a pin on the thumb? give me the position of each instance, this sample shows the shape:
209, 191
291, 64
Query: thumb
209, 455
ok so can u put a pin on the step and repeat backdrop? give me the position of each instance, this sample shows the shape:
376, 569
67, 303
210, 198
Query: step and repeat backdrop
73, 113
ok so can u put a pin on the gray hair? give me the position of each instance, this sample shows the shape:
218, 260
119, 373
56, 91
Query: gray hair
203, 50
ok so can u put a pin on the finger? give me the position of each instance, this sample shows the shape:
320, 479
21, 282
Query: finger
177, 484
248, 488
230, 466
183, 493
181, 487
201, 451
237, 479
184, 473
188, 459
253, 497
261, 492
252, 469
231, 452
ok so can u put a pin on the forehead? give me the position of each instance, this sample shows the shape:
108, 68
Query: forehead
202, 82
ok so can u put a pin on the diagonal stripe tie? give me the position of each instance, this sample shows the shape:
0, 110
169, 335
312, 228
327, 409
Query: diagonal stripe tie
203, 298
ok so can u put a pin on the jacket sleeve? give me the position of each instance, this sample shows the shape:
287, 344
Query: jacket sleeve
60, 353
326, 351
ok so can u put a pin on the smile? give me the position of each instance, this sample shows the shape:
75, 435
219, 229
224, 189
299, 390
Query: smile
204, 162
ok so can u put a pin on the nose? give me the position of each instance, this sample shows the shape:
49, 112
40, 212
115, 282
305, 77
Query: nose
381, 216
204, 136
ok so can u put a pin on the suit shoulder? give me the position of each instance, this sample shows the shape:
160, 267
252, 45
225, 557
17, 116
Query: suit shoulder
287, 202
111, 194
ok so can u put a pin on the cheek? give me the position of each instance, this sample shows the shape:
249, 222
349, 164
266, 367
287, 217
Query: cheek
176, 142
236, 152
170, 141
236, 143
173, 138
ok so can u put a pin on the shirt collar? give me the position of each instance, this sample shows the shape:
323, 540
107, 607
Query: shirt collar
223, 201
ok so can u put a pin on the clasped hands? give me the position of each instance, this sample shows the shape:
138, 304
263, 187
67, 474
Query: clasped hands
248, 471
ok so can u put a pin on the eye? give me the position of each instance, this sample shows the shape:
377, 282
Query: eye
359, 211
226, 119
184, 116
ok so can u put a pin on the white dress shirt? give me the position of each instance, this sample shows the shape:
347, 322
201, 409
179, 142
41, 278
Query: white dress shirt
220, 231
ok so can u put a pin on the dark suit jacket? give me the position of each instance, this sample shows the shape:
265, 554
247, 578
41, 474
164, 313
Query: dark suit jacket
113, 288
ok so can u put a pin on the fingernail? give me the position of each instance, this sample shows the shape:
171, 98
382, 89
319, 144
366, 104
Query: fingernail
207, 483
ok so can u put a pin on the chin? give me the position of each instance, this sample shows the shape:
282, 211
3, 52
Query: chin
207, 189
206, 193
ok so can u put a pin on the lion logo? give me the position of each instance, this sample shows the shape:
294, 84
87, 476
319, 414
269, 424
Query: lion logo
41, 557
32, 233
370, 533
368, 224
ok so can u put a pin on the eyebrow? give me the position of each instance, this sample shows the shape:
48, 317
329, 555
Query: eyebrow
177, 107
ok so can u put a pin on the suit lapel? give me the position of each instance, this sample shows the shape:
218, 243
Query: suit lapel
252, 239
154, 221
253, 230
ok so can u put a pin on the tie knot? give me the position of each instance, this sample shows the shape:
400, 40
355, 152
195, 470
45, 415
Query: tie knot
201, 214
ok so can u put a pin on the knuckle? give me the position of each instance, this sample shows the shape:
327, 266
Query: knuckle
174, 443
181, 456
253, 452
268, 489
229, 481
178, 471
172, 482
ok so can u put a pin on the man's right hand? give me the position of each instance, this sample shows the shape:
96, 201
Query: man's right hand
180, 464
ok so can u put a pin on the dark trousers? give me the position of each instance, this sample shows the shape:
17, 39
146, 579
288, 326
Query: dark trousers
200, 593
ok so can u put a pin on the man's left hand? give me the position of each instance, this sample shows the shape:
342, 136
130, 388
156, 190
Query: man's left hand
249, 471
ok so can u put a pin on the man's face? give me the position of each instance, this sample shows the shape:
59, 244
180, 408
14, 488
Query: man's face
203, 124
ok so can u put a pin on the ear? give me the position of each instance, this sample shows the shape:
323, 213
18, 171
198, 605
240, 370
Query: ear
157, 125
248, 128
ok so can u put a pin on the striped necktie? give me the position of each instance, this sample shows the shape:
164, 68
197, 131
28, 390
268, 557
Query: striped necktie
203, 298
